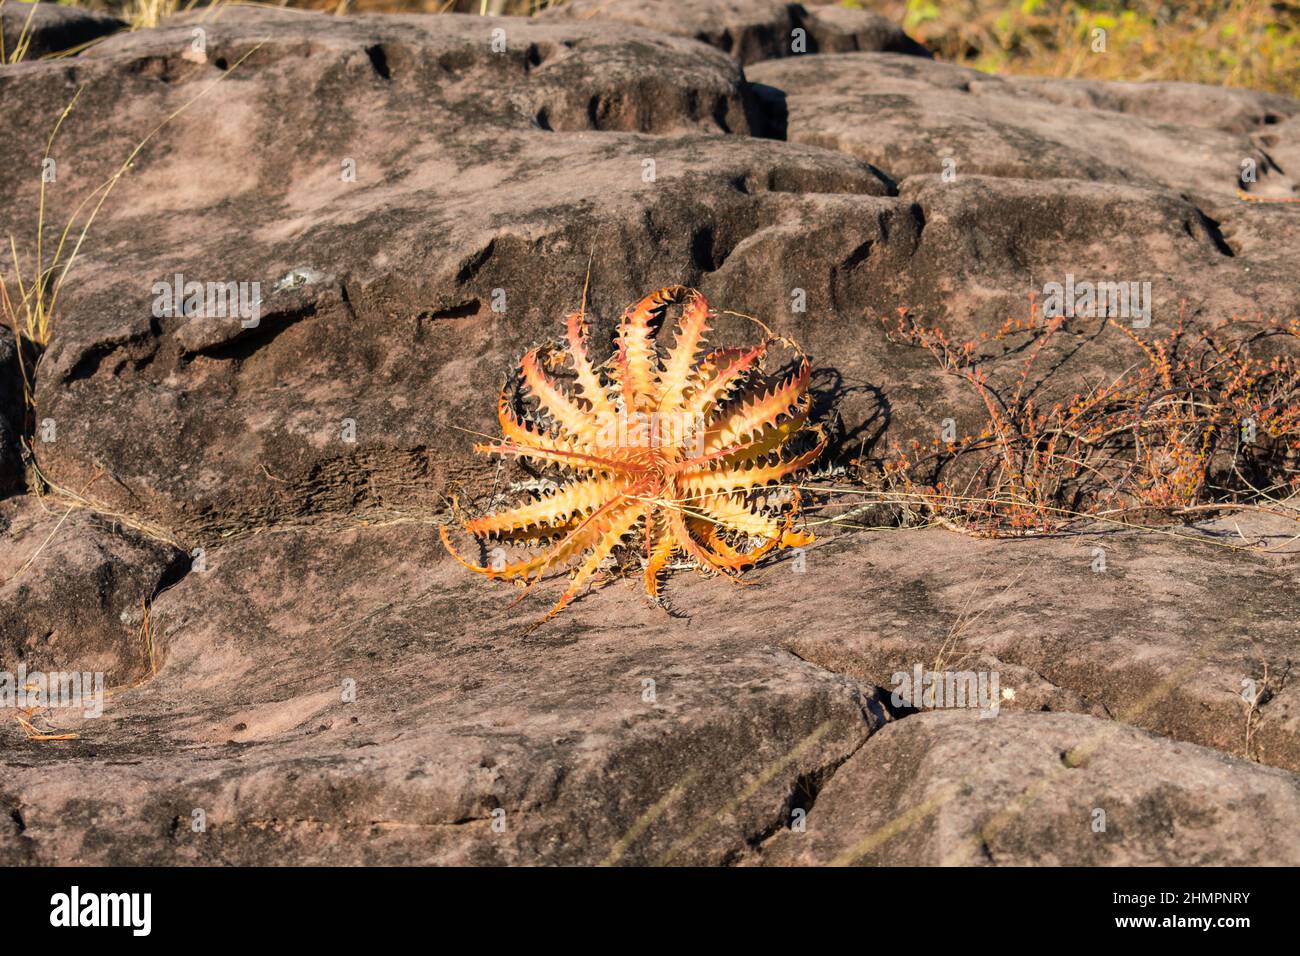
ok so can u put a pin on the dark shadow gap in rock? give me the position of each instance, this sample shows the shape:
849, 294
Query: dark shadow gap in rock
472, 264
462, 310
268, 329
767, 111
860, 254
703, 255
721, 107
379, 61
88, 364
175, 571
918, 214
1215, 234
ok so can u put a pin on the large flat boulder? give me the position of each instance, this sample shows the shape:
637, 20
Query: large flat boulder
466, 203
344, 697
389, 282
1187, 633
347, 695
1170, 140
467, 231
1178, 136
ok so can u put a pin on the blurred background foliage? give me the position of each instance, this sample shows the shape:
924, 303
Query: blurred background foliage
1249, 43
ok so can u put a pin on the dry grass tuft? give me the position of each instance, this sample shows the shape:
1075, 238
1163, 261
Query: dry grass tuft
30, 306
146, 14
29, 313
23, 44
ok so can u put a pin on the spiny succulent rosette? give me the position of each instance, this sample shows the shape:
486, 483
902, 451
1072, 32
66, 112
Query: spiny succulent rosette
661, 449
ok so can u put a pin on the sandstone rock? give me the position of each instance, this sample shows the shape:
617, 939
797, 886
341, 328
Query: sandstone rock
1166, 633
1223, 108
417, 209
932, 119
461, 710
71, 591
644, 742
1177, 136
1152, 198
1279, 140
1026, 790
753, 30
467, 200
52, 28
449, 206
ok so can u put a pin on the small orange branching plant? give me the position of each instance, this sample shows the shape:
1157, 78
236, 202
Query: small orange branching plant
1202, 419
658, 446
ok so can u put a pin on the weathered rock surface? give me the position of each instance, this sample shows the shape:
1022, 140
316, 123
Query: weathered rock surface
455, 198
1043, 790
72, 589
460, 710
753, 30
51, 28
465, 202
418, 207
1117, 178
1163, 632
1174, 136
457, 714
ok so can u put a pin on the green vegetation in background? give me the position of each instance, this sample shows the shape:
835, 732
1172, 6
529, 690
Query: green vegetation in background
1246, 43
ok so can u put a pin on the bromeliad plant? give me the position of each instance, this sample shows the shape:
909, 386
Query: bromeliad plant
655, 446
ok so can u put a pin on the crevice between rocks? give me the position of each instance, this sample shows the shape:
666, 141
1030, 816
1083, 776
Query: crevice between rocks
806, 787
768, 112
803, 793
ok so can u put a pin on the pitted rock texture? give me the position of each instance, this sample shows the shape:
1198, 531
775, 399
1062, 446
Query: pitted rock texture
457, 196
442, 229
753, 30
420, 199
